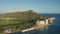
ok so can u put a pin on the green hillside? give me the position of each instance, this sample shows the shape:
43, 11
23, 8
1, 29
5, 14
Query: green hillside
16, 17
19, 20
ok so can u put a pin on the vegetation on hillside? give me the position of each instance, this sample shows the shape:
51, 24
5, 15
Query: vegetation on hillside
19, 20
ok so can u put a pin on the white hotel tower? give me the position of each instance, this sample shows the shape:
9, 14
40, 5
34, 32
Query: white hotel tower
46, 22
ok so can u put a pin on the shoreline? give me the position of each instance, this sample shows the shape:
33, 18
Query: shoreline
29, 29
36, 27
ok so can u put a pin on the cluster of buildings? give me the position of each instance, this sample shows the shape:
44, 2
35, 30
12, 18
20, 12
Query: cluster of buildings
44, 22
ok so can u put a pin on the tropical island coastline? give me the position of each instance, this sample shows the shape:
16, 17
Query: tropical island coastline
23, 21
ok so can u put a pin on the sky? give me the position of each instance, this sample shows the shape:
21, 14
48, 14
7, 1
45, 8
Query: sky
39, 6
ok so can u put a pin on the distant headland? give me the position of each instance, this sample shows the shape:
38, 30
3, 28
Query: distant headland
19, 21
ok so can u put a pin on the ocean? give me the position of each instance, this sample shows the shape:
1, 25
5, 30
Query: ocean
53, 29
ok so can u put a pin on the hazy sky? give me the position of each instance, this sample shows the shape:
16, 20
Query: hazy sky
40, 6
